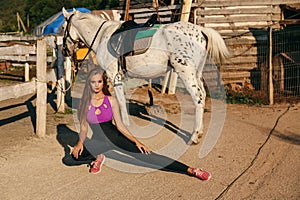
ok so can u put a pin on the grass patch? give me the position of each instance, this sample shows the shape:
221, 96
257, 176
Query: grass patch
243, 97
69, 111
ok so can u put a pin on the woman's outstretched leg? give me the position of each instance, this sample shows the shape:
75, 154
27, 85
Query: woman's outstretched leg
163, 162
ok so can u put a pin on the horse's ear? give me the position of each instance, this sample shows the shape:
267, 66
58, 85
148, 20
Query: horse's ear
65, 13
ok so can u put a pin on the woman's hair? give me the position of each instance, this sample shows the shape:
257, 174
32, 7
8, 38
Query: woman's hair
87, 93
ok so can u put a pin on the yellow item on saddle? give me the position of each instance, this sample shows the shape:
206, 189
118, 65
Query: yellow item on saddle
80, 54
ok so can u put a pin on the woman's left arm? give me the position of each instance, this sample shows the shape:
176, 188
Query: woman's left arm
122, 128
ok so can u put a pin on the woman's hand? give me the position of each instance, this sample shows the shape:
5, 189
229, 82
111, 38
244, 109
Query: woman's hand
77, 150
143, 148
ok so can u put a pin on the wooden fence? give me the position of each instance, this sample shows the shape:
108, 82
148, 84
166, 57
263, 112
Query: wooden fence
244, 25
33, 53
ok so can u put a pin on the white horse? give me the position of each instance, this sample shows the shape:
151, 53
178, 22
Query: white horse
182, 45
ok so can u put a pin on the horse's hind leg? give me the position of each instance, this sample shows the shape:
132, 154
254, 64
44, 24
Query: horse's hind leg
194, 84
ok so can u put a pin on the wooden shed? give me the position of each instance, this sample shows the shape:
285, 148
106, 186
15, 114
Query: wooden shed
246, 27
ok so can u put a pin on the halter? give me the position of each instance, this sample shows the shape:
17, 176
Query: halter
65, 50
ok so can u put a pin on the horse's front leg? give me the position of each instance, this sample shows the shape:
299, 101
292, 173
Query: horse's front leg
119, 92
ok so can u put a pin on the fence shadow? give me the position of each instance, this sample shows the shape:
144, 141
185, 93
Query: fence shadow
31, 112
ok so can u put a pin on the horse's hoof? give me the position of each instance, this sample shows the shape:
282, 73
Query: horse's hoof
194, 139
191, 142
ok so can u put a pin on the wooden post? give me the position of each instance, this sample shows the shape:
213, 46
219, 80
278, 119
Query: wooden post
26, 74
282, 75
165, 82
186, 9
126, 15
41, 86
185, 14
20, 21
155, 4
271, 87
173, 82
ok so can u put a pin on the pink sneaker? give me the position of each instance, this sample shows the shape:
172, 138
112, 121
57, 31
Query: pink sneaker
201, 174
97, 164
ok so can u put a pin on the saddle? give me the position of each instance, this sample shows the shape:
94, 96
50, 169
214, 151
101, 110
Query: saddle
132, 38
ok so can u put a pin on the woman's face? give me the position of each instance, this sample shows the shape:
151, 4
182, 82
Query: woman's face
96, 82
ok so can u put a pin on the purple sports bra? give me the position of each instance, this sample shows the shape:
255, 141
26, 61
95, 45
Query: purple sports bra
99, 114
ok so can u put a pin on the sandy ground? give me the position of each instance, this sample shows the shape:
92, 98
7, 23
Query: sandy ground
244, 163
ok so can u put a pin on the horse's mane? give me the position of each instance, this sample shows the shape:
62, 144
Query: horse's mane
88, 16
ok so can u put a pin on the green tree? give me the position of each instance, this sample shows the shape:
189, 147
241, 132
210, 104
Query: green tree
40, 10
8, 11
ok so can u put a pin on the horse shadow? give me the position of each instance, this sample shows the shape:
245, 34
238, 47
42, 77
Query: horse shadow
139, 109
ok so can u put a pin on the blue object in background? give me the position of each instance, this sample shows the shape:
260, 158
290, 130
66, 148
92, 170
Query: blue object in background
51, 25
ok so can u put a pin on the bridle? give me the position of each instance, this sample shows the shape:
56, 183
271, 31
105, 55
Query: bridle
65, 50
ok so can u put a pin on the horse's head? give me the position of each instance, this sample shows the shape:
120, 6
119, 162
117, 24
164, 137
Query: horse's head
71, 37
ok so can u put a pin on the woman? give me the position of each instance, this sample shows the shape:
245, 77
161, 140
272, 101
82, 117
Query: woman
98, 109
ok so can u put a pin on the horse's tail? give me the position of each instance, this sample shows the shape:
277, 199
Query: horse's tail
216, 46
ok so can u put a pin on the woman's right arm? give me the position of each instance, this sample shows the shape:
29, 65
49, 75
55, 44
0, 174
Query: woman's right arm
78, 148
83, 131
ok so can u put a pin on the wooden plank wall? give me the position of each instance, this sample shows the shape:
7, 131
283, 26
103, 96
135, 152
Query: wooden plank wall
141, 15
244, 26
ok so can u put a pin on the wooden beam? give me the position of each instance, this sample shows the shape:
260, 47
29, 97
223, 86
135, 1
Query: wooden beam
16, 91
238, 19
18, 49
289, 21
4, 38
185, 11
25, 58
217, 4
238, 11
126, 16
271, 87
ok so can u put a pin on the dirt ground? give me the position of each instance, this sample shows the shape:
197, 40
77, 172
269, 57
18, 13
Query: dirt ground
256, 156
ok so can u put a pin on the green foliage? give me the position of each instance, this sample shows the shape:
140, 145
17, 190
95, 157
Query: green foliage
242, 97
38, 11
68, 111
